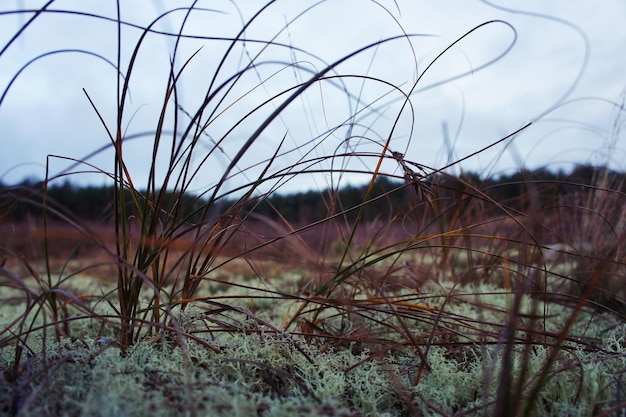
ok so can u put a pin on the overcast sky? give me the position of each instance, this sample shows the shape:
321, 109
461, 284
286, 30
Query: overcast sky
560, 65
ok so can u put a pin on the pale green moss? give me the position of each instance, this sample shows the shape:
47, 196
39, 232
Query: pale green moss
260, 372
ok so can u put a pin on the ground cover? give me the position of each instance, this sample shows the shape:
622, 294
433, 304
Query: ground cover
431, 347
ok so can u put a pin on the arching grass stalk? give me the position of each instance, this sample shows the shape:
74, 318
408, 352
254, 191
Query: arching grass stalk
461, 300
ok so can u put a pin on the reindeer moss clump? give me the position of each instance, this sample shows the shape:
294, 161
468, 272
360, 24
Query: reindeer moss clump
258, 371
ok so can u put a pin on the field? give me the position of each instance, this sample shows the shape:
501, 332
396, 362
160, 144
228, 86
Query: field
422, 292
429, 329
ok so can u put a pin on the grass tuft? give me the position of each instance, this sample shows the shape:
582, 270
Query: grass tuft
193, 291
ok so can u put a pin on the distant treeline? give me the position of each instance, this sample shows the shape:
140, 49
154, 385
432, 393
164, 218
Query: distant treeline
448, 196
443, 193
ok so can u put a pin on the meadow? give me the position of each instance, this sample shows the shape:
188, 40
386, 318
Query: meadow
180, 299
